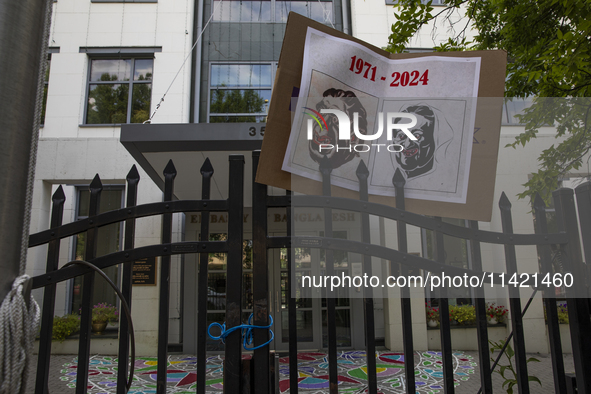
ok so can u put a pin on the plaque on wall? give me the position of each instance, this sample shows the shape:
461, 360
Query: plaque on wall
144, 272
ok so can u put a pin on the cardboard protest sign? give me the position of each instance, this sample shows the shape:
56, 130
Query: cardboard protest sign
448, 155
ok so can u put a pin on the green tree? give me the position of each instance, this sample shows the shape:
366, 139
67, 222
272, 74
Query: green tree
549, 52
225, 101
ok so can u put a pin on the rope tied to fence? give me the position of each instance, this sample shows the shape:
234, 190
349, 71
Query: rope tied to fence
247, 330
20, 322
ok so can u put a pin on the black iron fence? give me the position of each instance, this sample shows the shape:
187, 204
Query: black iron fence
257, 375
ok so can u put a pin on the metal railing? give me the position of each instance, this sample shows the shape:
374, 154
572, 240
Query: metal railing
240, 377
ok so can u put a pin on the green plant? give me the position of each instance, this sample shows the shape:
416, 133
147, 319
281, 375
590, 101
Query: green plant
65, 326
463, 314
562, 310
432, 313
496, 312
103, 313
504, 370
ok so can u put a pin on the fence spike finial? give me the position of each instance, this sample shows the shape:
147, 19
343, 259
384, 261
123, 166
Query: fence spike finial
206, 168
170, 168
96, 183
133, 174
59, 196
362, 171
398, 179
539, 204
504, 202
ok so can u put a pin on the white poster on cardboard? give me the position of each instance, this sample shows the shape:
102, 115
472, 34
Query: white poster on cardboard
379, 94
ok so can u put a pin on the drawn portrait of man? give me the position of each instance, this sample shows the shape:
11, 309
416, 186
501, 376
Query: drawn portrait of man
347, 102
420, 156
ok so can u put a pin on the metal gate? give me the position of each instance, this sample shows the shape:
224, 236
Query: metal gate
257, 375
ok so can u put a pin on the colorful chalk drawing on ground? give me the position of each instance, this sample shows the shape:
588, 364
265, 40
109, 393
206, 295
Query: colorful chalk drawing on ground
312, 373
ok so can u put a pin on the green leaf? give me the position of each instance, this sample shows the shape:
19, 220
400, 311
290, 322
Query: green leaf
534, 379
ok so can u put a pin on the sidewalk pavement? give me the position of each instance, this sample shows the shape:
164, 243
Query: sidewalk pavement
58, 380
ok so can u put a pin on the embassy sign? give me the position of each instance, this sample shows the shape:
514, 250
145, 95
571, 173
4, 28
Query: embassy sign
324, 141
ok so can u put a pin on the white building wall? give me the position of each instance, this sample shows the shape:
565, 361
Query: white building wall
71, 153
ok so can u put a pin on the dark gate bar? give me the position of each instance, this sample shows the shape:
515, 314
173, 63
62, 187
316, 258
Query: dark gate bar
96, 188
409, 361
514, 300
233, 350
291, 304
481, 320
206, 174
43, 359
133, 178
578, 307
444, 331
164, 302
369, 324
550, 299
325, 170
260, 281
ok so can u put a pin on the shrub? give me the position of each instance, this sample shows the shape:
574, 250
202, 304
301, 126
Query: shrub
463, 314
562, 314
65, 326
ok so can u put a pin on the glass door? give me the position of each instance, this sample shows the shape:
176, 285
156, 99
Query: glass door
308, 314
311, 311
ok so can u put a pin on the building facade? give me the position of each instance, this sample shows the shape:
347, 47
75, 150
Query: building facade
201, 73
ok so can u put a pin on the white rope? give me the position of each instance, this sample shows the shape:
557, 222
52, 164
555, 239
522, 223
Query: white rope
19, 323
17, 335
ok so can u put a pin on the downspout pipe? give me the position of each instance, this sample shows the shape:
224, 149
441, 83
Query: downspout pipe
21, 42
196, 62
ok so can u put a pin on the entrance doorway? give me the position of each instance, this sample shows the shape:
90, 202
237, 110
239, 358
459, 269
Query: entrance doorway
311, 317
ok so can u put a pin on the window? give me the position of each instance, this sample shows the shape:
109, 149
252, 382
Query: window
109, 241
240, 93
45, 88
457, 253
124, 1
271, 10
433, 2
512, 107
119, 90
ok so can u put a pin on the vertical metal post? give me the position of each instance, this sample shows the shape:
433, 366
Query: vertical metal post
96, 188
550, 299
576, 297
409, 363
370, 340
291, 305
445, 329
164, 301
583, 193
43, 360
514, 299
325, 170
233, 349
133, 178
481, 321
21, 31
260, 280
206, 174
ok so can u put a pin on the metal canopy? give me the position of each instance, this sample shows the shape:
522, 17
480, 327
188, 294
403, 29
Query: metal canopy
152, 145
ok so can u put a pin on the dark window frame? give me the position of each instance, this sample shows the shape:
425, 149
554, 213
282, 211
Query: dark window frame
102, 54
211, 88
273, 10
